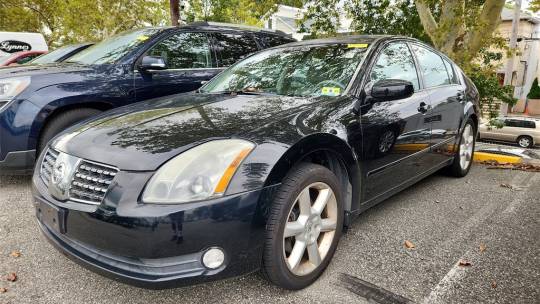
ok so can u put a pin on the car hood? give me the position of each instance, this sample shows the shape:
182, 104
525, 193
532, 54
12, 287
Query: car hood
144, 135
47, 69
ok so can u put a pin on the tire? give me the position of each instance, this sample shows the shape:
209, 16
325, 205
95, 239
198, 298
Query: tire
61, 122
459, 168
285, 210
525, 141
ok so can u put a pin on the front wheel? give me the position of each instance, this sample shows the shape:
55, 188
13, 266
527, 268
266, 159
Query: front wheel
304, 227
463, 157
525, 141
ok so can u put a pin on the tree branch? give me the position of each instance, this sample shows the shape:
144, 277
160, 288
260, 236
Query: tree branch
428, 21
451, 23
488, 21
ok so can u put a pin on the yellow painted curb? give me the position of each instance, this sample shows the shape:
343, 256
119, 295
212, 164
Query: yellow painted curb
502, 159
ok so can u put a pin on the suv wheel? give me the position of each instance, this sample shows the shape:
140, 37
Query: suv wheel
525, 141
463, 157
61, 122
304, 227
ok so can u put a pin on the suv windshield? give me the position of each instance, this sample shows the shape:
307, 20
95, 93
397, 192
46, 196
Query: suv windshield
293, 71
113, 48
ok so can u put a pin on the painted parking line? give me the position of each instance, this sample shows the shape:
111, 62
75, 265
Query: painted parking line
457, 271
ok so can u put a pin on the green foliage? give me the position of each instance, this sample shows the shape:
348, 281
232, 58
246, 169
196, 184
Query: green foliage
534, 5
381, 17
249, 12
386, 17
64, 22
534, 93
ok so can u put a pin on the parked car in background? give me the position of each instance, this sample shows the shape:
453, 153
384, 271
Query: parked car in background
38, 101
19, 58
60, 54
13, 42
524, 131
259, 169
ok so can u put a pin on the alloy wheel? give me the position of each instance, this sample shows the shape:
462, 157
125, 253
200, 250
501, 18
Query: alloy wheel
524, 142
466, 147
310, 229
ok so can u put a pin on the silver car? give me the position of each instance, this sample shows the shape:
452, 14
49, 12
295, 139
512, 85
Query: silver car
525, 131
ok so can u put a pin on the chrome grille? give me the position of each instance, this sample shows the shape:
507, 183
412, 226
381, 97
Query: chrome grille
91, 182
47, 165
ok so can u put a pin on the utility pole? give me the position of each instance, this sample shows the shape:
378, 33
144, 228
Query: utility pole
175, 12
513, 47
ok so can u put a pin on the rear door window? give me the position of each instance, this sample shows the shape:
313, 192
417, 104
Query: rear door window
451, 72
233, 47
274, 40
432, 67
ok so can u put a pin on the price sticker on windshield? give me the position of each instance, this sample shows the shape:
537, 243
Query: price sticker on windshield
330, 91
357, 45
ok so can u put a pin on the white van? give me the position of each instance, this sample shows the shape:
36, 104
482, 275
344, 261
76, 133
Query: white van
12, 42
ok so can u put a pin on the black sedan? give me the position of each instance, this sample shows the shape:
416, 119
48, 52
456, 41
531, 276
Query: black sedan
261, 168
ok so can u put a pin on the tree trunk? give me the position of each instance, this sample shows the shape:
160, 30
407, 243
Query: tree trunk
450, 35
175, 12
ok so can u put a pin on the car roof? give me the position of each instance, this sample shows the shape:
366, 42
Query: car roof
348, 39
216, 26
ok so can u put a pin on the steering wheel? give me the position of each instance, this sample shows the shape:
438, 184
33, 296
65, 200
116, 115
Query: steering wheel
326, 83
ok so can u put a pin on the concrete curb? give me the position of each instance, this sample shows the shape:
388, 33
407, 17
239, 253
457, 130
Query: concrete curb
502, 159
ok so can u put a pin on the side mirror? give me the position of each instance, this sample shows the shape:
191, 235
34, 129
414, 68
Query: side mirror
391, 89
149, 63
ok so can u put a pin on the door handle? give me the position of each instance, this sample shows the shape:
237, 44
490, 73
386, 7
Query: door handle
423, 108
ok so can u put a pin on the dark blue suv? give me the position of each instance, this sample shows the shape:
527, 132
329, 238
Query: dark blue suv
38, 102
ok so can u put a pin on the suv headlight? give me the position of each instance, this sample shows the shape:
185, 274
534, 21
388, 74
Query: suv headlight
199, 173
11, 87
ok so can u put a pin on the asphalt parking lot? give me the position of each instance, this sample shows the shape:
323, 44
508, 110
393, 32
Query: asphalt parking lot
489, 219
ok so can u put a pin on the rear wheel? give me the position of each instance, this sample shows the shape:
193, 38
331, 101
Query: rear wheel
61, 122
304, 227
525, 141
463, 157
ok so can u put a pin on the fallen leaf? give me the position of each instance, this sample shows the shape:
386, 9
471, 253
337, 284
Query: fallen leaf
3, 290
409, 244
12, 277
512, 187
493, 284
482, 247
15, 254
464, 263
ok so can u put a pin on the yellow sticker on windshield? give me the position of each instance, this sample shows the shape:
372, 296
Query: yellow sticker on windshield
357, 45
330, 91
142, 38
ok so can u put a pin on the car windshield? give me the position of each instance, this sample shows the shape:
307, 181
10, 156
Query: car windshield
312, 70
53, 56
113, 48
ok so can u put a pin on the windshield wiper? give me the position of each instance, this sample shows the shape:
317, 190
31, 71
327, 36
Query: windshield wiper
240, 92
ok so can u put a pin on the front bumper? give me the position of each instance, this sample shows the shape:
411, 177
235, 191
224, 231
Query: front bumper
156, 246
18, 163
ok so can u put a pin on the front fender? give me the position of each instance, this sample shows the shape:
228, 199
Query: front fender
270, 163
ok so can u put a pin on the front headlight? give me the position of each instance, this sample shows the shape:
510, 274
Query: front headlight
199, 173
11, 87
